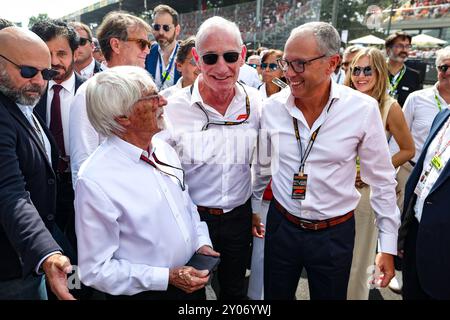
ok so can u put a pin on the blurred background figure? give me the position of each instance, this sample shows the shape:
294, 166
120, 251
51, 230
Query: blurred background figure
270, 71
97, 53
254, 61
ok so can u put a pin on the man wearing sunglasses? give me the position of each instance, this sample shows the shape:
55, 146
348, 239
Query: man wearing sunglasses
28, 157
123, 40
85, 64
317, 128
213, 126
160, 62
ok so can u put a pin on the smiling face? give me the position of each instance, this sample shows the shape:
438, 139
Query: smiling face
362, 82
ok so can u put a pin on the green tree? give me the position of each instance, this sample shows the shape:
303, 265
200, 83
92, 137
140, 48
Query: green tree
39, 17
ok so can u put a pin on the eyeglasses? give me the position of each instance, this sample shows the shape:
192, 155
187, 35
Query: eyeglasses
29, 72
229, 57
154, 98
297, 65
367, 71
443, 68
165, 27
272, 66
401, 46
143, 43
83, 41
253, 65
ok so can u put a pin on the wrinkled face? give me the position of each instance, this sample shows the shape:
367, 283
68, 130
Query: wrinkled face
189, 70
13, 85
444, 77
131, 52
399, 50
147, 114
83, 53
163, 37
62, 58
271, 69
361, 79
221, 75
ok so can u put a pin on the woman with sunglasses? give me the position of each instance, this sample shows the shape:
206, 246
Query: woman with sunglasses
270, 71
368, 74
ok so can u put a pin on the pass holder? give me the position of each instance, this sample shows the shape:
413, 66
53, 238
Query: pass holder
299, 186
437, 162
421, 184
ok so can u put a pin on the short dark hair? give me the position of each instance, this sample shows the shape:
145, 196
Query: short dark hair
162, 8
83, 26
5, 23
389, 42
184, 49
50, 29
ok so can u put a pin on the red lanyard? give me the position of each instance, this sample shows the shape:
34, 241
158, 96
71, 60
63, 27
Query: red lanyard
150, 162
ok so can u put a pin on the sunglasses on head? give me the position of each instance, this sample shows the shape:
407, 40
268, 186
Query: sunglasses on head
229, 57
272, 66
165, 27
443, 68
83, 41
253, 65
29, 72
143, 43
367, 71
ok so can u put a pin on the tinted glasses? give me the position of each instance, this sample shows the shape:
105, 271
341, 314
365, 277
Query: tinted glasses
296, 65
83, 41
143, 43
367, 71
165, 27
443, 68
272, 66
229, 57
29, 72
253, 65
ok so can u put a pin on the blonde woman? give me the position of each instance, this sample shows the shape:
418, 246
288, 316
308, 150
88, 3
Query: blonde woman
368, 74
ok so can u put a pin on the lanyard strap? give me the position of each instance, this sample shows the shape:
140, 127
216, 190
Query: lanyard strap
312, 139
438, 153
164, 75
393, 84
438, 102
150, 162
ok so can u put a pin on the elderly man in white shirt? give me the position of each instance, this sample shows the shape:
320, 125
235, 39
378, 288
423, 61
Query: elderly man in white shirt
213, 126
316, 130
136, 224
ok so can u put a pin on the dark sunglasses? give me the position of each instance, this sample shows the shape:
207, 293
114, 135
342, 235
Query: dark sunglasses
83, 41
367, 71
141, 42
165, 27
29, 72
229, 57
272, 66
443, 68
253, 65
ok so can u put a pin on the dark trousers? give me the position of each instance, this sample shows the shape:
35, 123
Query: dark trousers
231, 235
412, 290
325, 254
172, 293
28, 288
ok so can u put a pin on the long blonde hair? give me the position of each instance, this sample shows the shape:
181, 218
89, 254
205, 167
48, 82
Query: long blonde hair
378, 63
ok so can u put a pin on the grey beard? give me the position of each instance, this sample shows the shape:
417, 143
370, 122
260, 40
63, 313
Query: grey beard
18, 96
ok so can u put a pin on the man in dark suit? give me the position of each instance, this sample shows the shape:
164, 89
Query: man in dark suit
424, 236
27, 179
54, 108
402, 79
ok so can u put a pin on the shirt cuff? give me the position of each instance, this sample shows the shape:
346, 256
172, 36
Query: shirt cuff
38, 270
160, 279
387, 243
256, 205
204, 241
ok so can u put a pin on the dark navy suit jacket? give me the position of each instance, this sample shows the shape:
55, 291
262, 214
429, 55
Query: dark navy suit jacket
433, 237
151, 61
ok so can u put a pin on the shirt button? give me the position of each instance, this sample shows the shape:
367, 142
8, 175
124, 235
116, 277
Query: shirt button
50, 217
51, 181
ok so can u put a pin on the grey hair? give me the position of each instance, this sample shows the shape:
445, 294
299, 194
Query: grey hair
352, 49
255, 56
326, 35
215, 24
113, 93
442, 55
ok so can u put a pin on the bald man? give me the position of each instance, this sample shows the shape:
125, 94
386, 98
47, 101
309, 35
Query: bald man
27, 179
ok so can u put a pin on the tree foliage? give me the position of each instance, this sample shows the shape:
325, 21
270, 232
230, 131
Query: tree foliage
39, 17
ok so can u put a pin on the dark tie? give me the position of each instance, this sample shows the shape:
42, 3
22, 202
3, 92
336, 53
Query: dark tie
56, 127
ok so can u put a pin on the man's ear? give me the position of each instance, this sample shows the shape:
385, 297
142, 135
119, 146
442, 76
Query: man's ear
124, 121
333, 63
115, 45
177, 31
243, 54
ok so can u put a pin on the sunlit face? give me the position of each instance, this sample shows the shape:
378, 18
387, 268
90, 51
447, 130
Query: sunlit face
131, 53
444, 77
62, 58
165, 38
147, 114
364, 82
268, 73
83, 54
399, 50
189, 70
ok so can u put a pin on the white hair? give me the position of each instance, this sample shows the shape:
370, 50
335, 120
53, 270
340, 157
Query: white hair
441, 55
253, 57
214, 25
326, 36
112, 93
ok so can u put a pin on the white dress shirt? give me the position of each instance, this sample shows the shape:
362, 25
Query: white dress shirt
339, 77
170, 81
168, 92
83, 138
133, 222
434, 173
216, 161
249, 76
88, 71
352, 127
66, 96
420, 109
262, 91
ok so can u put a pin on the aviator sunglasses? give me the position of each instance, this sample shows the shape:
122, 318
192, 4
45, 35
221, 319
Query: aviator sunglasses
367, 71
29, 72
272, 66
229, 57
83, 41
142, 43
